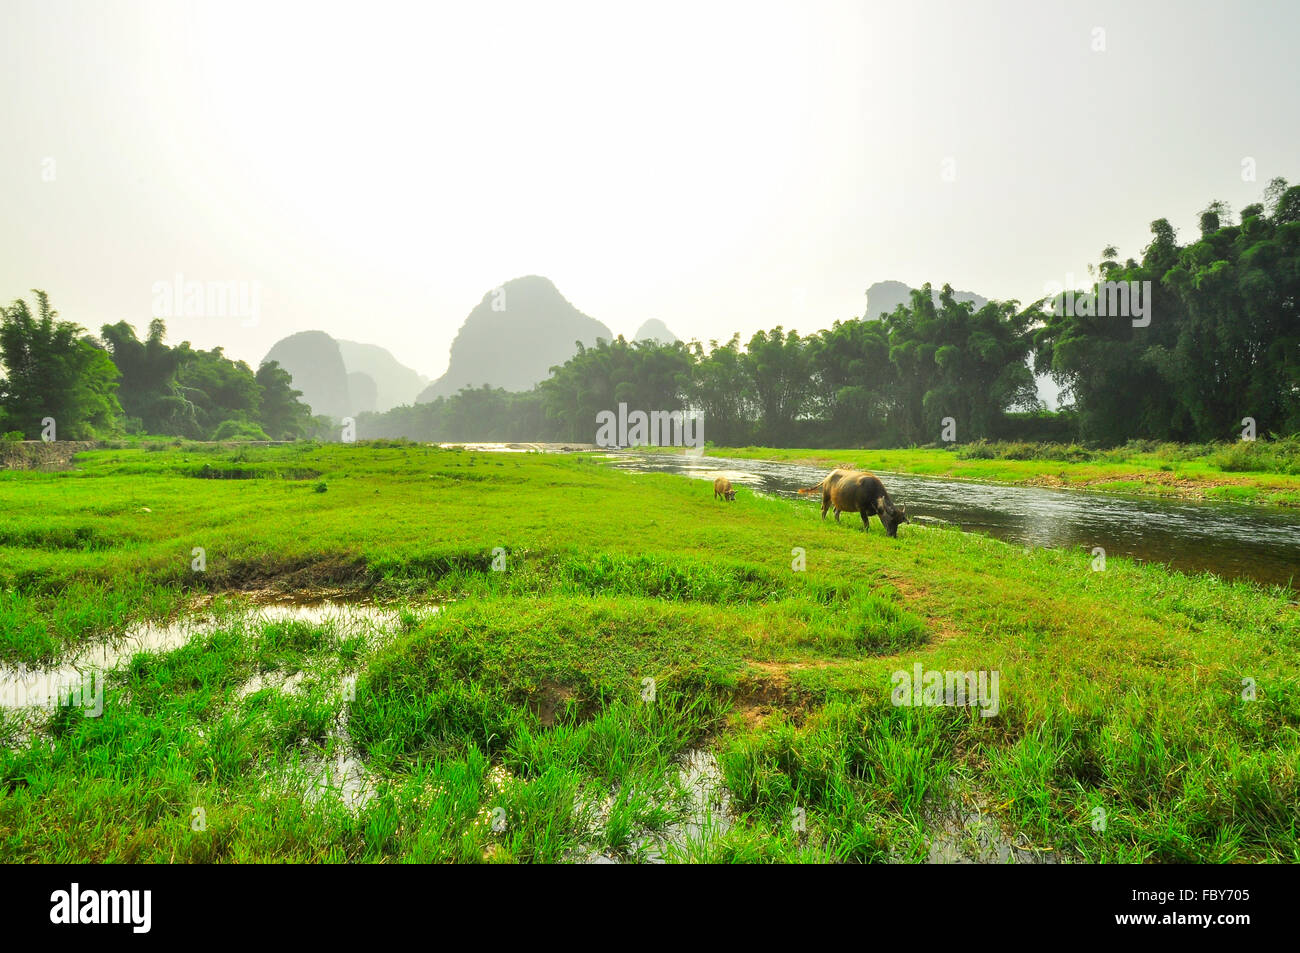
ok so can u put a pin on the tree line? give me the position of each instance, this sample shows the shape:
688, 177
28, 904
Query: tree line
1219, 343
97, 387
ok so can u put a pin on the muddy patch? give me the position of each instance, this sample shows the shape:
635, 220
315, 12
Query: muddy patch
550, 702
287, 579
769, 691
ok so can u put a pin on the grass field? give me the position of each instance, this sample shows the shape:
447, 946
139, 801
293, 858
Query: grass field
608, 647
1264, 472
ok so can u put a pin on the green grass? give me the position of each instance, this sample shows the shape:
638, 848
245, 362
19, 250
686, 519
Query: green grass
1263, 471
596, 627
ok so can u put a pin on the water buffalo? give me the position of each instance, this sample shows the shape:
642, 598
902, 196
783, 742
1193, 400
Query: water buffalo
854, 491
722, 488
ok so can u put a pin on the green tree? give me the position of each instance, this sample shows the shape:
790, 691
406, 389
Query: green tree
855, 382
954, 361
779, 368
148, 389
645, 375
220, 389
1223, 341
281, 413
53, 370
719, 387
1238, 349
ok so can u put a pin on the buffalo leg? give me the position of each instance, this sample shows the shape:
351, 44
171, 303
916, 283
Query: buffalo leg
866, 522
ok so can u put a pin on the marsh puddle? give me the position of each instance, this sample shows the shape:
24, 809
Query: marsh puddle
971, 837
343, 775
82, 675
965, 831
707, 813
962, 832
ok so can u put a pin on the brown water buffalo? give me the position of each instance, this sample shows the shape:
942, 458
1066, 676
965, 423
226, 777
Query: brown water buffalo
722, 488
855, 491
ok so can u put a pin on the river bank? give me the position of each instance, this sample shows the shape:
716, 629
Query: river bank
1251, 542
1148, 474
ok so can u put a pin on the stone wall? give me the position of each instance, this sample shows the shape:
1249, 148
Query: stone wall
39, 455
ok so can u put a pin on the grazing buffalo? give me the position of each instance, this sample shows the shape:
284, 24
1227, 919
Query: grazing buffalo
853, 491
722, 488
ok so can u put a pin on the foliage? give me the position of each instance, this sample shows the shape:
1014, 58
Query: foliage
1223, 342
283, 415
54, 372
149, 392
125, 384
239, 430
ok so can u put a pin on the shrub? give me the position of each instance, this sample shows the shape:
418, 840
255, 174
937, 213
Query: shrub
239, 430
1263, 456
1020, 450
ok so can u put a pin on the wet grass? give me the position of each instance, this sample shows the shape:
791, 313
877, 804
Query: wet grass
597, 627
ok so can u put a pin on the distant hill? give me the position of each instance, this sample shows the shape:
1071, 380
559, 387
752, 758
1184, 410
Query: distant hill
396, 383
655, 330
513, 337
312, 358
364, 391
884, 296
345, 378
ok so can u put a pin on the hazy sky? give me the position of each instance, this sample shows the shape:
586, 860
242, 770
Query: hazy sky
375, 169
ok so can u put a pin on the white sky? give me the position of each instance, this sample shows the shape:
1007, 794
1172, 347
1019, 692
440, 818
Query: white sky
377, 168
